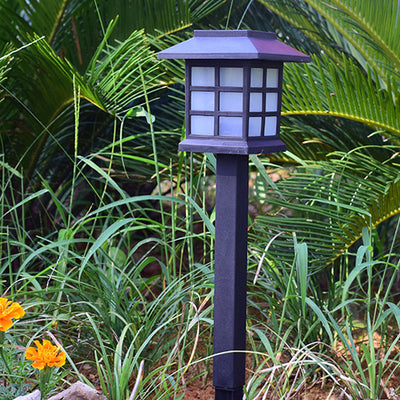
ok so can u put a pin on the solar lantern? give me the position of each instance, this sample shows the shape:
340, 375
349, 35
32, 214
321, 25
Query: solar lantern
233, 87
233, 90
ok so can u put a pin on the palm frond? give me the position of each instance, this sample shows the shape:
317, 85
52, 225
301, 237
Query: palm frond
313, 137
154, 16
113, 84
48, 18
325, 89
201, 9
300, 15
367, 31
328, 209
123, 72
5, 59
371, 27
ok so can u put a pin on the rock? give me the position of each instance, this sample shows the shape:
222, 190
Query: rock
31, 396
78, 391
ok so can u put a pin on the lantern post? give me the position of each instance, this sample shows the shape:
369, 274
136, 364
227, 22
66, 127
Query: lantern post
233, 87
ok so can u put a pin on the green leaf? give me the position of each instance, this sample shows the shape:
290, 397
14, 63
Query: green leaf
105, 235
329, 210
321, 317
341, 91
301, 253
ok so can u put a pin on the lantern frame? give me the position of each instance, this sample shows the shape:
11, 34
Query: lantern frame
242, 139
242, 130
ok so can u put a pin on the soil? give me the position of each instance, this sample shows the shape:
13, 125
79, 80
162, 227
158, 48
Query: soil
198, 380
202, 388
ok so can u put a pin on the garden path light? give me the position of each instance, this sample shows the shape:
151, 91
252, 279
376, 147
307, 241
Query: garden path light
233, 107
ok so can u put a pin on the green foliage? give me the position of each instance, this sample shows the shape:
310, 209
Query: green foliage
107, 233
340, 124
343, 91
329, 213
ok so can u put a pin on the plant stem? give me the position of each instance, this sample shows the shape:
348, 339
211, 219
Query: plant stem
44, 380
7, 367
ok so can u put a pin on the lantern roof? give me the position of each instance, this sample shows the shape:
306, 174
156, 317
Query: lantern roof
234, 44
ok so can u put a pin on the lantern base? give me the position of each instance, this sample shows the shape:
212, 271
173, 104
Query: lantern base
220, 146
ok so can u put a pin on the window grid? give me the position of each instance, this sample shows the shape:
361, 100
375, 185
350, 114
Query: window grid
245, 114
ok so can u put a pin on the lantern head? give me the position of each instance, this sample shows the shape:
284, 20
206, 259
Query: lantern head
233, 90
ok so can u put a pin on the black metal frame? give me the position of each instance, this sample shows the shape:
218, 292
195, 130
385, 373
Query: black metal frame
244, 144
245, 90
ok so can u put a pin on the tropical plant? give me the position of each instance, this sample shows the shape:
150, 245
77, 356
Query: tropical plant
340, 124
98, 58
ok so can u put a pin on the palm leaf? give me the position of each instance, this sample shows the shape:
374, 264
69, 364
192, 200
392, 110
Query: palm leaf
154, 16
124, 72
328, 210
344, 91
371, 27
113, 83
48, 18
5, 59
114, 78
367, 31
313, 137
302, 16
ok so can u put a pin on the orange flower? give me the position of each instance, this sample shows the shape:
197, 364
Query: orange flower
46, 355
9, 310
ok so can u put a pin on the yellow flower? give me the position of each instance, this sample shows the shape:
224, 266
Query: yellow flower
46, 355
9, 310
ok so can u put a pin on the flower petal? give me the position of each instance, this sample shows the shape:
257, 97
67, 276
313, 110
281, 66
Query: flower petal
39, 364
5, 324
9, 310
31, 353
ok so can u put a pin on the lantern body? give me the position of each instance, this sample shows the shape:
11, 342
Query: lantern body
233, 90
233, 106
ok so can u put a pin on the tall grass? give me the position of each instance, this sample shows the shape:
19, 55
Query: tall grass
86, 284
85, 277
125, 282
347, 337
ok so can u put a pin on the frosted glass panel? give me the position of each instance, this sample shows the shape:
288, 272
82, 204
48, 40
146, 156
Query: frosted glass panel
254, 126
229, 101
203, 101
256, 77
203, 76
271, 104
231, 77
256, 102
202, 125
270, 126
230, 126
272, 77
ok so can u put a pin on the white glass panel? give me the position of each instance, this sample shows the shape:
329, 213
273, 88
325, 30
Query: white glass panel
255, 126
231, 77
270, 126
231, 101
202, 125
203, 76
230, 126
272, 77
203, 101
271, 104
256, 77
255, 102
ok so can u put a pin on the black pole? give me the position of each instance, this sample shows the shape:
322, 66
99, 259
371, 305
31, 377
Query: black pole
230, 276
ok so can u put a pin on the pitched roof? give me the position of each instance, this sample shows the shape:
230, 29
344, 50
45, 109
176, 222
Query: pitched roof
238, 44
